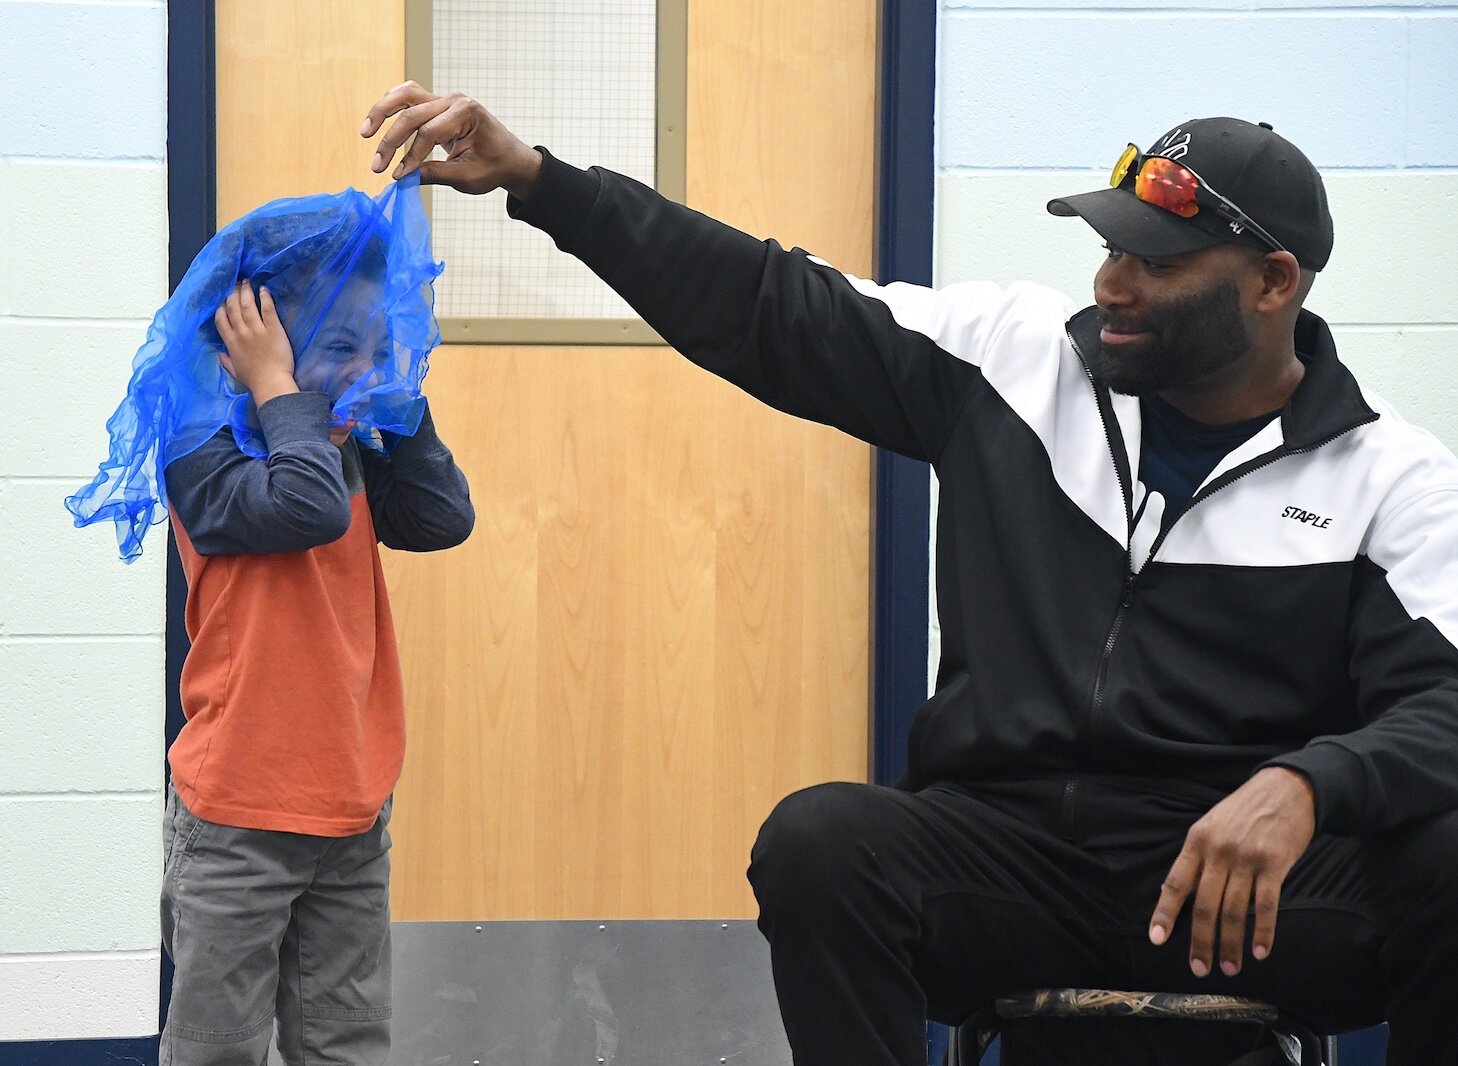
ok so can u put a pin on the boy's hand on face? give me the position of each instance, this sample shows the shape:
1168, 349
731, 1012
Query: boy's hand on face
258, 352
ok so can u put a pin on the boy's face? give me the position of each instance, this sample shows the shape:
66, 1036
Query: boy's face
351, 342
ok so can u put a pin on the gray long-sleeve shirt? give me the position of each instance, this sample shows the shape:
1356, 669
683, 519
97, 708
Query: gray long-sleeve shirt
298, 497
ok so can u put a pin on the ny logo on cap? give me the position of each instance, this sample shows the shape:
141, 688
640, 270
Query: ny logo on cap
1175, 146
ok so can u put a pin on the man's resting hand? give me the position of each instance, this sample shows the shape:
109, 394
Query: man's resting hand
1242, 849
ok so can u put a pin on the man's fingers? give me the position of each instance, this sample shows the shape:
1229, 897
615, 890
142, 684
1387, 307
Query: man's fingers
1204, 916
400, 97
445, 126
1233, 910
265, 306
410, 121
1267, 903
459, 176
435, 172
1172, 895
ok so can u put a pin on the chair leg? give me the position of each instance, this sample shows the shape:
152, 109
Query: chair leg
1317, 1050
970, 1039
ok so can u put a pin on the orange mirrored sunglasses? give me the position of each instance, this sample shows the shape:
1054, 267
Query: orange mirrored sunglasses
1176, 188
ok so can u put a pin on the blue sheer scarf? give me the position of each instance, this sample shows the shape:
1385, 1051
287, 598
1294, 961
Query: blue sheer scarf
352, 279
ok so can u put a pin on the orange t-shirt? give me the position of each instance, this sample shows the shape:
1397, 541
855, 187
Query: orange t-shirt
292, 690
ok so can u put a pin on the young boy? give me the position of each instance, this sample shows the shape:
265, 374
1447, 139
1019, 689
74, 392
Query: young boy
275, 899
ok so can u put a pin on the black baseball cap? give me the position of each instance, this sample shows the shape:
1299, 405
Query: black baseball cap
1249, 164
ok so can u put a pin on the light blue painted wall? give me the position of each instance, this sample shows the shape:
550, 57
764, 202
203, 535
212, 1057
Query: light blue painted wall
1042, 89
83, 264
83, 80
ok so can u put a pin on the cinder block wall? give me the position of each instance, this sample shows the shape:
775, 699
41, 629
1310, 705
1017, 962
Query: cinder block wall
83, 264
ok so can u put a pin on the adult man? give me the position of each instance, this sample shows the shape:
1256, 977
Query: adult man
1196, 591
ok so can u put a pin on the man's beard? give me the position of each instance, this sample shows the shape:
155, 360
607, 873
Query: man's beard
1187, 340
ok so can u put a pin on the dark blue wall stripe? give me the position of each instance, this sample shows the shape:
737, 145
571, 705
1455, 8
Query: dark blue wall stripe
905, 189
904, 211
192, 209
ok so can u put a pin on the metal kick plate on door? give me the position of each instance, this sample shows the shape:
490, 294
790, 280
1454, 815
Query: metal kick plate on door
583, 993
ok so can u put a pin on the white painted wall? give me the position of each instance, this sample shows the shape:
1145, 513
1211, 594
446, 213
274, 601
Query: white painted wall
83, 264
1035, 99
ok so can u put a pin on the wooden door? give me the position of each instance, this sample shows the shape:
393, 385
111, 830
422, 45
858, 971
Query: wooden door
661, 624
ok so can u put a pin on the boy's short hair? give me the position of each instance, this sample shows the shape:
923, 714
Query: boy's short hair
290, 252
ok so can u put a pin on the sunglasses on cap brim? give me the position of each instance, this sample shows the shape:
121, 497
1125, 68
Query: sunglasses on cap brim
1174, 187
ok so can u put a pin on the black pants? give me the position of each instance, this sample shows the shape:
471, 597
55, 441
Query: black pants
883, 908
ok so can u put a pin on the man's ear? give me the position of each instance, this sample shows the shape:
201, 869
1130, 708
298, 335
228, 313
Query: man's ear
1282, 285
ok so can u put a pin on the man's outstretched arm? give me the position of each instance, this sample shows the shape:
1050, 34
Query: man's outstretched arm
876, 362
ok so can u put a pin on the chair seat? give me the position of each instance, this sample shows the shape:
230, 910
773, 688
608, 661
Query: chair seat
1108, 1003
1294, 1043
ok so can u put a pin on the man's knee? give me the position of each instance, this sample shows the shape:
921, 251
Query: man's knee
812, 839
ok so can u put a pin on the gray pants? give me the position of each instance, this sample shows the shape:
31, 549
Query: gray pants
262, 926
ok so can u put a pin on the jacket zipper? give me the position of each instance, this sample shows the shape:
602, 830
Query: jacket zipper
1126, 598
1065, 814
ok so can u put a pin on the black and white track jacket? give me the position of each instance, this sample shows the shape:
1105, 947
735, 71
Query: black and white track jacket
1303, 610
